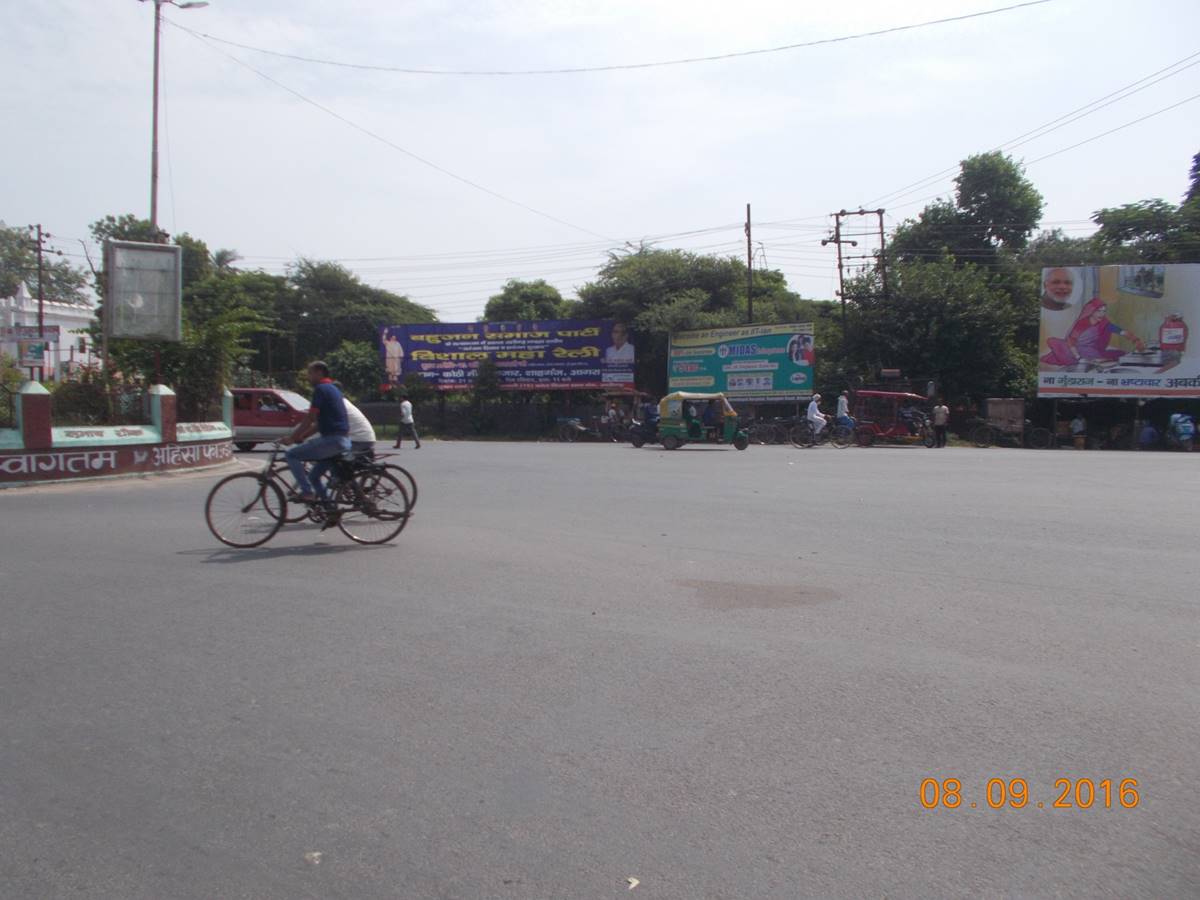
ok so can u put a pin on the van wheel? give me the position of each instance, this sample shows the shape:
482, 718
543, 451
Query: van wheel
670, 442
244, 446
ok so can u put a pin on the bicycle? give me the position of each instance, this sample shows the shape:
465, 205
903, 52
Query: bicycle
366, 502
986, 435
804, 436
283, 475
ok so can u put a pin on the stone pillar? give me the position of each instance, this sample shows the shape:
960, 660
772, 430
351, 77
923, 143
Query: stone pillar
162, 412
33, 416
227, 408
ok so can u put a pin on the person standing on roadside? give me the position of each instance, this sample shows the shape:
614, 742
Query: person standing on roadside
941, 421
407, 425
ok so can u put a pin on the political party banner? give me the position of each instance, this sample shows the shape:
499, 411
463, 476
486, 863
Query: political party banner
529, 356
1119, 331
755, 362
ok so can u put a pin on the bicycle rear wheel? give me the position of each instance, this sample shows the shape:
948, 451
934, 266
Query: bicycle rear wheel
406, 479
245, 510
1041, 438
373, 507
802, 435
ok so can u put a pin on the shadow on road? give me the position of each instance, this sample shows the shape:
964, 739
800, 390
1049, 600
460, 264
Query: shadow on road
231, 555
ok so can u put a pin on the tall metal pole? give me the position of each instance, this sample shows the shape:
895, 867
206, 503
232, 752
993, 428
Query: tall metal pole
749, 272
154, 138
41, 303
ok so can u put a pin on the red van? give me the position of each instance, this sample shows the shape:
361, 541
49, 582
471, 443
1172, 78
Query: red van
265, 414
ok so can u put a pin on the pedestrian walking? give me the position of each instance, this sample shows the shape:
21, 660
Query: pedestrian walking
941, 421
407, 425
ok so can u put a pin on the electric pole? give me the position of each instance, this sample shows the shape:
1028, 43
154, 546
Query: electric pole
839, 238
749, 272
39, 244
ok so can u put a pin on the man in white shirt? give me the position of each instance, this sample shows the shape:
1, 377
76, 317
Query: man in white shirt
843, 408
362, 435
621, 350
407, 425
941, 421
815, 417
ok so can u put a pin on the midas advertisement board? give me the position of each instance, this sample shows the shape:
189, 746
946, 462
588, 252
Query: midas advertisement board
1119, 331
756, 362
529, 356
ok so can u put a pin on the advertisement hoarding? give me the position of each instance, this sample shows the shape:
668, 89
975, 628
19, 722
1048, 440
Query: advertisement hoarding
143, 287
1119, 331
529, 356
33, 353
754, 362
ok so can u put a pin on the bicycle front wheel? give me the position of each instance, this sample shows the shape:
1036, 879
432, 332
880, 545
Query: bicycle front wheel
245, 510
1041, 438
282, 476
841, 436
373, 506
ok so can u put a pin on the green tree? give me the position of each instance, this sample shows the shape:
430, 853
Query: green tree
18, 263
524, 301
660, 291
357, 366
996, 199
945, 320
329, 304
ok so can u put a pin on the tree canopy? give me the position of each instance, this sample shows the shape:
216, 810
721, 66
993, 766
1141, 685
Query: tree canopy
18, 263
524, 301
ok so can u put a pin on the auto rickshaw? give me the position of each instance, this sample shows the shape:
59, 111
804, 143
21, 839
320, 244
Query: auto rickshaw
685, 418
891, 416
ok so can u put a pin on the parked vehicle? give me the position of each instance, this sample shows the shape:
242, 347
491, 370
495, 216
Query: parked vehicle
891, 416
682, 420
265, 414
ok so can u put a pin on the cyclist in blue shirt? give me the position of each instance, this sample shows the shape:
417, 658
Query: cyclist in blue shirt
327, 417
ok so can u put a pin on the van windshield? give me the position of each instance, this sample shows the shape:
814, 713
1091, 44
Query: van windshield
294, 400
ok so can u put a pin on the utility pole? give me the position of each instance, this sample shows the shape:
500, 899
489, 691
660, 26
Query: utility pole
158, 5
839, 238
749, 272
39, 244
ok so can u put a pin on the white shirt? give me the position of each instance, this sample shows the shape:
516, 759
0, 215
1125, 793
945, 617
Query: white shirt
843, 407
394, 349
361, 431
406, 412
624, 353
814, 413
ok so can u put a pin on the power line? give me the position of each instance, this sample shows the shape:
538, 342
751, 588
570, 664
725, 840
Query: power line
392, 144
1094, 137
1054, 124
404, 70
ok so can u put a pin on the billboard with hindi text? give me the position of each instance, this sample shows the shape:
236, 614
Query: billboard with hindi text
529, 356
1119, 331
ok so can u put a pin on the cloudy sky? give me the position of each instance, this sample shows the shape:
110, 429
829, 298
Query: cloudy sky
670, 154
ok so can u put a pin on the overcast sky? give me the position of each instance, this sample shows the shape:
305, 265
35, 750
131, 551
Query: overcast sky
621, 156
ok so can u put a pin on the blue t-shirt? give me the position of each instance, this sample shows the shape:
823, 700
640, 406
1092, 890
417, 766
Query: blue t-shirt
331, 411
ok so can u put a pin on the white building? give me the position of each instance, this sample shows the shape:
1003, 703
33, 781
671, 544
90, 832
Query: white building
73, 346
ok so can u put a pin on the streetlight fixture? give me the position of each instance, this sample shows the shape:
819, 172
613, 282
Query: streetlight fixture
158, 5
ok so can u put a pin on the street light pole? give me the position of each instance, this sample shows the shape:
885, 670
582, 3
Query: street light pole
154, 127
158, 5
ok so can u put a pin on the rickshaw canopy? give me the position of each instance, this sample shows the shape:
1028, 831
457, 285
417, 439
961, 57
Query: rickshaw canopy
681, 396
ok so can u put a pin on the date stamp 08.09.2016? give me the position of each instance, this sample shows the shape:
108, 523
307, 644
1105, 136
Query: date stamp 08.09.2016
1014, 793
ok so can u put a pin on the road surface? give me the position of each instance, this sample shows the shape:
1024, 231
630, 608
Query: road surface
723, 674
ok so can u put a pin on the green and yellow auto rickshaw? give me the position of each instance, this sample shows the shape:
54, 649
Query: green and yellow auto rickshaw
687, 418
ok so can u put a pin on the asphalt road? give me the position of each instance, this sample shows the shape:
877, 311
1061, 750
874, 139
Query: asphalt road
722, 674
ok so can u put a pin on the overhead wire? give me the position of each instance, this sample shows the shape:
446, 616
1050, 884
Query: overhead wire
575, 70
390, 143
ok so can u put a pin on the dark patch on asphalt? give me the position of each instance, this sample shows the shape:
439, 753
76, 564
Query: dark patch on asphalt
725, 595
